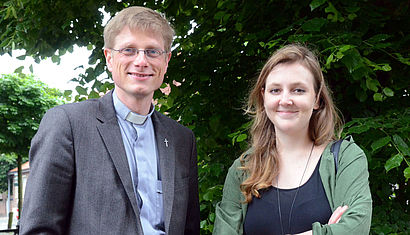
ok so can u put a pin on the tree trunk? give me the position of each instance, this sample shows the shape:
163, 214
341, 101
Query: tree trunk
20, 185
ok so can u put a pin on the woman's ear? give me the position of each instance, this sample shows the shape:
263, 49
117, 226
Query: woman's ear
317, 104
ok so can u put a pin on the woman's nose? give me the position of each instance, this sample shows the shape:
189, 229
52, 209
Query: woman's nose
285, 99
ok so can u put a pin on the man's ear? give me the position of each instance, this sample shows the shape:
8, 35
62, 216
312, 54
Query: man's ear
167, 59
108, 58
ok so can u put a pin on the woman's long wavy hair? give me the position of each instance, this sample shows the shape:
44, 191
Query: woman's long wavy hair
262, 164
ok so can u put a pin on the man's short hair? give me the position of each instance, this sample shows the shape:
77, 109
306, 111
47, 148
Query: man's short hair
139, 18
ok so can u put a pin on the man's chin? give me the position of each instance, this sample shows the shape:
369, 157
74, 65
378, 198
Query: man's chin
141, 93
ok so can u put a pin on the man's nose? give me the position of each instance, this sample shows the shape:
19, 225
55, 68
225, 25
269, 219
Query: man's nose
140, 59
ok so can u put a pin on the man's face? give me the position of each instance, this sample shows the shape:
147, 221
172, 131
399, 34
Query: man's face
137, 76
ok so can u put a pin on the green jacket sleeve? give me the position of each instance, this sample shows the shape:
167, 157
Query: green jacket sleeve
230, 211
349, 187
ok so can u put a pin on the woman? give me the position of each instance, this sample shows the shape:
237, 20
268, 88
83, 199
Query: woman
286, 183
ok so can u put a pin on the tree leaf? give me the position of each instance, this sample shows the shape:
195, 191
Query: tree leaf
55, 58
241, 137
352, 59
81, 90
93, 95
378, 97
207, 196
219, 15
351, 16
314, 25
402, 59
393, 162
358, 129
403, 147
386, 67
388, 92
329, 60
378, 38
407, 173
315, 4
22, 57
19, 69
238, 27
380, 142
68, 93
372, 84
345, 48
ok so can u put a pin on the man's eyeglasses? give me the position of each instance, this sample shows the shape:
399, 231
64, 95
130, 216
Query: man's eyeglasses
150, 53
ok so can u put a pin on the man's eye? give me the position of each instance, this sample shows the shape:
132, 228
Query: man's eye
152, 52
128, 51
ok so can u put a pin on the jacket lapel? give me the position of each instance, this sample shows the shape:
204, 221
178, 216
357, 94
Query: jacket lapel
111, 135
166, 151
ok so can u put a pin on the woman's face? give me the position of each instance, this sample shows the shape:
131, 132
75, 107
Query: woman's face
289, 98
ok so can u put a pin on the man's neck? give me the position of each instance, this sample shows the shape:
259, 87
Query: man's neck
139, 105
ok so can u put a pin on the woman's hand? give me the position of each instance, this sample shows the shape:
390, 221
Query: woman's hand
337, 214
305, 233
334, 219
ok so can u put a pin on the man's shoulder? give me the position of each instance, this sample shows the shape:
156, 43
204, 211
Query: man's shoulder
171, 123
79, 105
79, 112
83, 107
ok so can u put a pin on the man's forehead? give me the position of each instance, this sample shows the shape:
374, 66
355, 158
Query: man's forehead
148, 33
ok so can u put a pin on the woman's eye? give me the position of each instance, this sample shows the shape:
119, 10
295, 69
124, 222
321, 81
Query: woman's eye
298, 90
276, 90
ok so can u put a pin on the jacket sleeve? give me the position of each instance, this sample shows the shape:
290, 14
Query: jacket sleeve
351, 189
229, 216
47, 202
192, 217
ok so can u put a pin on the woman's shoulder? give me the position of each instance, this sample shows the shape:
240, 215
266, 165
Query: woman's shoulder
350, 151
349, 145
243, 159
239, 162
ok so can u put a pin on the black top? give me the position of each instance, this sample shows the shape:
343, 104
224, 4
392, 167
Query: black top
311, 205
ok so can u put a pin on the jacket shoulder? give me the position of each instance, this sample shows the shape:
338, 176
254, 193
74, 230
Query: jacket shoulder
350, 151
171, 123
85, 105
235, 170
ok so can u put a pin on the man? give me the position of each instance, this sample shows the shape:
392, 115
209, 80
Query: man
115, 165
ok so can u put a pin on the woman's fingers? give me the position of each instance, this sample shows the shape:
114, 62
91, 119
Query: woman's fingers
337, 214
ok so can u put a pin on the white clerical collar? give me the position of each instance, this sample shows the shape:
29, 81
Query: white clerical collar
126, 114
138, 119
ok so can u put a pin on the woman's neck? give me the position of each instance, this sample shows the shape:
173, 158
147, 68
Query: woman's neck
292, 143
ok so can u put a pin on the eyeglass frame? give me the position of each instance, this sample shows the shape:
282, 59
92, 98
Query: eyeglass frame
137, 51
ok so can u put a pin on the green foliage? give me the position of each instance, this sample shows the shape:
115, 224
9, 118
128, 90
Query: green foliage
385, 140
23, 101
7, 162
219, 49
